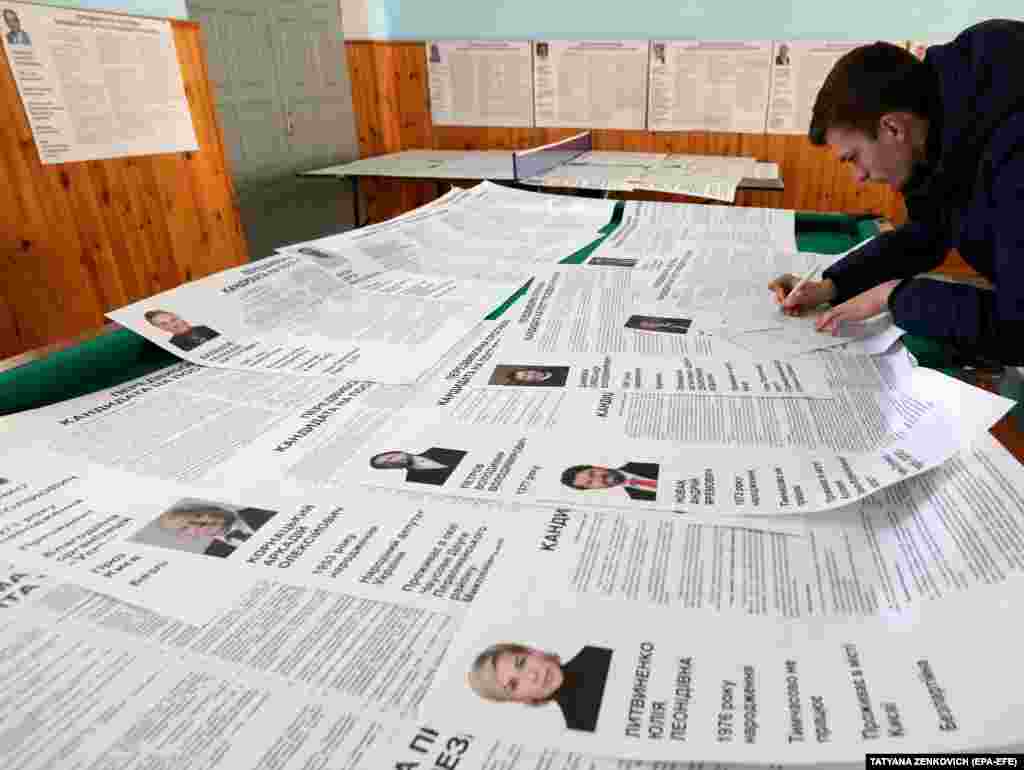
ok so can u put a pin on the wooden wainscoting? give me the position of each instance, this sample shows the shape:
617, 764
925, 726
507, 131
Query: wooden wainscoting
79, 239
391, 95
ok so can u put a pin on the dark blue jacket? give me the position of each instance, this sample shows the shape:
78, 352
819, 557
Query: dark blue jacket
972, 198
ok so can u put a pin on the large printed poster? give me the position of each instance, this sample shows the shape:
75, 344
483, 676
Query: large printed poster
289, 315
480, 83
799, 68
610, 677
590, 84
708, 85
97, 85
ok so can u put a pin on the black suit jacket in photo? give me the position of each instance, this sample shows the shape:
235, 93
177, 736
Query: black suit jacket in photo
193, 338
254, 518
583, 680
670, 325
219, 548
435, 476
670, 328
644, 471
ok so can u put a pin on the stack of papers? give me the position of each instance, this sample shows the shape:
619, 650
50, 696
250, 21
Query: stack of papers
359, 526
703, 176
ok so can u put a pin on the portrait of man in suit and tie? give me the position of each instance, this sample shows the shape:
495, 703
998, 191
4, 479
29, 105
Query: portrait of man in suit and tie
515, 673
651, 323
183, 334
530, 376
15, 34
612, 262
325, 258
638, 480
432, 466
206, 527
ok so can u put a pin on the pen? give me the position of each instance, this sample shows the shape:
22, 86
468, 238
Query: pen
801, 282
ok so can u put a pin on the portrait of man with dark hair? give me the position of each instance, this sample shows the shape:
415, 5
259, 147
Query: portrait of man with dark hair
183, 334
530, 376
638, 480
515, 673
432, 466
15, 34
612, 261
652, 323
323, 257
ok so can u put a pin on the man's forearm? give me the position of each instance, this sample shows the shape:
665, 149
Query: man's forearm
900, 253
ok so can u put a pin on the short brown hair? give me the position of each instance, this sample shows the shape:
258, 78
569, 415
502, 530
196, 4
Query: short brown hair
865, 84
151, 314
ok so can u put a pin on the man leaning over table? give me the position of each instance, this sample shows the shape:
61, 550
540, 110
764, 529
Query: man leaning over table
947, 133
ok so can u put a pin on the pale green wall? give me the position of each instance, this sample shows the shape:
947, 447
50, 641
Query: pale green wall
174, 9
707, 19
